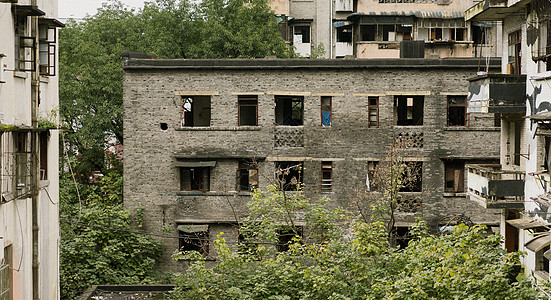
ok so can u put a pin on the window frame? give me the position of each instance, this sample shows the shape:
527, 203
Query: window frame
372, 169
514, 44
247, 169
201, 239
370, 109
47, 46
452, 106
204, 177
417, 110
329, 108
454, 166
295, 169
326, 176
417, 186
244, 101
284, 108
190, 114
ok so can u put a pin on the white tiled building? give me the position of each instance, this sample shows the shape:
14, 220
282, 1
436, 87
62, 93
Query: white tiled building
29, 181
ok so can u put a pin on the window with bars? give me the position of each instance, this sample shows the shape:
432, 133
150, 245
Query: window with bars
326, 110
326, 176
373, 112
248, 110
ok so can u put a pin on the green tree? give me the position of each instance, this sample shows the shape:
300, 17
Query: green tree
98, 244
464, 264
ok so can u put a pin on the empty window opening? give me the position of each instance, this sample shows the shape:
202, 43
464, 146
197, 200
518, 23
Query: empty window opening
547, 154
195, 179
43, 156
403, 236
409, 110
248, 110
164, 126
373, 112
479, 35
194, 238
196, 111
372, 180
286, 235
542, 262
21, 161
289, 110
289, 175
513, 143
247, 175
454, 176
326, 110
412, 180
344, 34
301, 34
457, 110
326, 176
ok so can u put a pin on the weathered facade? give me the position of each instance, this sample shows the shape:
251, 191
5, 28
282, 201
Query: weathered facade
385, 28
29, 143
520, 185
191, 128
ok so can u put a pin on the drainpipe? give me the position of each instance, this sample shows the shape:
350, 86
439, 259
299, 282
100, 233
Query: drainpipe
331, 29
35, 90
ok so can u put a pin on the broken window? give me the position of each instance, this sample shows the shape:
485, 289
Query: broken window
514, 49
248, 110
47, 49
283, 27
326, 111
326, 176
371, 181
247, 175
195, 179
289, 110
196, 111
301, 34
457, 109
403, 236
289, 175
286, 235
409, 110
454, 175
373, 112
194, 237
344, 34
412, 178
479, 34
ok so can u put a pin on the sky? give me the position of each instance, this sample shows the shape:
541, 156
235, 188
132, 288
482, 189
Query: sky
80, 8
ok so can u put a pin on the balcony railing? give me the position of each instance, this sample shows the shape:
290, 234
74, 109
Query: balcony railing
497, 93
492, 187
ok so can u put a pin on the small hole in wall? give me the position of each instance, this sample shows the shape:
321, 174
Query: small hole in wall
164, 126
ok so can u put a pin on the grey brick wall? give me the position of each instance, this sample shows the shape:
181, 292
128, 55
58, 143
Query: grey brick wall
151, 180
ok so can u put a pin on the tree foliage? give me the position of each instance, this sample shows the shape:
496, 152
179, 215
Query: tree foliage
355, 263
98, 243
91, 65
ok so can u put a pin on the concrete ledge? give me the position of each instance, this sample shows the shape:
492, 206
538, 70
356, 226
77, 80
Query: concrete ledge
220, 128
129, 290
130, 64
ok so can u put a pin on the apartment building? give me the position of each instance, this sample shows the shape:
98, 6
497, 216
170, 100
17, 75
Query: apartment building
201, 134
385, 28
519, 186
29, 185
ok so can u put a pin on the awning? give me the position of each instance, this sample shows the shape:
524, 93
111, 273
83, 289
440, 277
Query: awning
542, 116
193, 228
455, 14
194, 164
526, 223
341, 24
539, 242
28, 10
51, 22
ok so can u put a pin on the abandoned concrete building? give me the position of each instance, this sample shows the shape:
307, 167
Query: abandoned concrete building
192, 126
385, 28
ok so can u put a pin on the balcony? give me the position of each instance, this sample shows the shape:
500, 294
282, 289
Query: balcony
492, 187
495, 10
497, 93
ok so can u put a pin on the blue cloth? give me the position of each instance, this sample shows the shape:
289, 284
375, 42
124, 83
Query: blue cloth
326, 118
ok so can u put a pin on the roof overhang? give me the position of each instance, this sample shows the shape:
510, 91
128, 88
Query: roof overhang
51, 22
526, 223
540, 241
494, 10
27, 10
